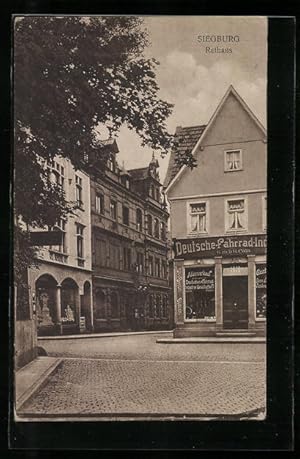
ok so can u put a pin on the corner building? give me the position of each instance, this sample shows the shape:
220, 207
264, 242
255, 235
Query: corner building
218, 224
129, 248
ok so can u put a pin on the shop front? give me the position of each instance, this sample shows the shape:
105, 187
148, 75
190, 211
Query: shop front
220, 285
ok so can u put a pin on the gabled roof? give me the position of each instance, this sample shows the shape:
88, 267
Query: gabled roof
176, 174
109, 143
186, 138
139, 174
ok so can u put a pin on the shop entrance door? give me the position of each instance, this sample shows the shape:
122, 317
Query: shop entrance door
235, 302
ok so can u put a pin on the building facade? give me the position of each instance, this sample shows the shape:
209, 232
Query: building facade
218, 215
61, 285
129, 248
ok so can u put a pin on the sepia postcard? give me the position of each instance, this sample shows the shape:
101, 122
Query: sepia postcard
140, 218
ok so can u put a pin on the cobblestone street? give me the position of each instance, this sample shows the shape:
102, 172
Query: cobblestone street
131, 375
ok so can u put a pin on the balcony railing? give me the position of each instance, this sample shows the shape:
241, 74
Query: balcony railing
58, 256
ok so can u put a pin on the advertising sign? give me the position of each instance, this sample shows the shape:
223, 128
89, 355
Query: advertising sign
200, 279
242, 245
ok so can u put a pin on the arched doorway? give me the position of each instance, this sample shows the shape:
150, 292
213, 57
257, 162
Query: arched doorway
47, 314
85, 306
70, 305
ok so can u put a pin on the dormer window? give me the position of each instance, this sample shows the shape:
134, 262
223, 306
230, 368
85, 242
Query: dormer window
110, 164
151, 191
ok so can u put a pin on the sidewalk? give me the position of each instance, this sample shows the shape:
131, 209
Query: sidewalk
212, 339
32, 376
104, 335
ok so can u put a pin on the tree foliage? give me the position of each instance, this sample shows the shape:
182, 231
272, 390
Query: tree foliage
72, 74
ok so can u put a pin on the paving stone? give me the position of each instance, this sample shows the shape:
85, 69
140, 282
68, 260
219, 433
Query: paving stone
81, 386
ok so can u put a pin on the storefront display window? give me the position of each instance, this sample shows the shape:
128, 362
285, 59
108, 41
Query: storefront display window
261, 291
200, 293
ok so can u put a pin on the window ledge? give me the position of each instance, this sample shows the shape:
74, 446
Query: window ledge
233, 170
237, 232
194, 234
201, 320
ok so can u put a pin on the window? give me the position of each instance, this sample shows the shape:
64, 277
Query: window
198, 217
100, 304
140, 262
151, 308
235, 215
233, 160
125, 215
157, 267
79, 236
100, 252
113, 210
58, 173
156, 305
114, 255
139, 220
200, 293
127, 258
156, 228
164, 311
114, 304
150, 229
110, 164
78, 181
100, 203
151, 191
264, 218
150, 266
163, 269
60, 226
127, 184
157, 194
163, 231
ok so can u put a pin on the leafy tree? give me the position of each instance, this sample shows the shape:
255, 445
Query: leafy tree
72, 74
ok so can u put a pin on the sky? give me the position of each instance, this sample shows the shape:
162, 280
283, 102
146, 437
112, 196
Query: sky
195, 81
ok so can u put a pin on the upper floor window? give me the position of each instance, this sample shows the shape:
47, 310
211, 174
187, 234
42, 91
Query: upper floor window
163, 231
140, 262
62, 247
150, 229
78, 181
264, 209
100, 203
236, 215
79, 237
233, 160
113, 209
125, 181
127, 258
110, 164
125, 215
198, 217
156, 228
157, 194
151, 191
58, 173
164, 269
139, 220
157, 267
150, 266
